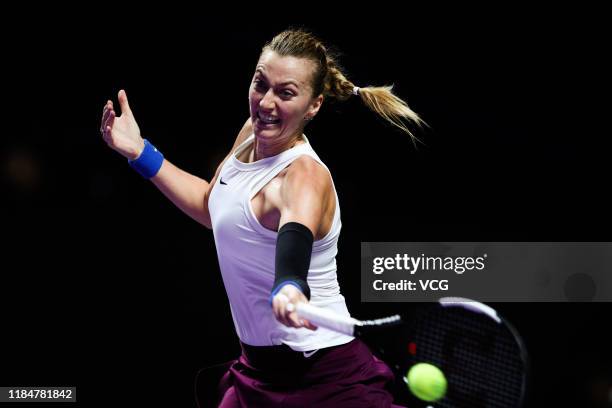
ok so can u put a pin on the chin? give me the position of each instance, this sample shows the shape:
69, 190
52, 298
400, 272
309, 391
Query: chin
268, 133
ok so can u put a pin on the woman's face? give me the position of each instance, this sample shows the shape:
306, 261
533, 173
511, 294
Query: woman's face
280, 96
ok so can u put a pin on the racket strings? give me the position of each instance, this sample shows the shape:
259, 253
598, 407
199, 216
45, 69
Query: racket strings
481, 358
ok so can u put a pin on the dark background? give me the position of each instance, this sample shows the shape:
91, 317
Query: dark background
109, 288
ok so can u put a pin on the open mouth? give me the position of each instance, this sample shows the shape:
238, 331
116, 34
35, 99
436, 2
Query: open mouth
267, 119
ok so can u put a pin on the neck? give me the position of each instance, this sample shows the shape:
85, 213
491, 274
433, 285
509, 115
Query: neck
268, 148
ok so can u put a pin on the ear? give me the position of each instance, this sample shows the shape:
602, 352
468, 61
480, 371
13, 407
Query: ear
315, 105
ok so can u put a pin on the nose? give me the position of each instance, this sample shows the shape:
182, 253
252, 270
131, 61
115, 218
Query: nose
267, 102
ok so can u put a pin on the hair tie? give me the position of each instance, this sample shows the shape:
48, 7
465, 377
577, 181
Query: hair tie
355, 90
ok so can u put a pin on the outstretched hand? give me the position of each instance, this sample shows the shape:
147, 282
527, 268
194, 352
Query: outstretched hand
289, 294
122, 133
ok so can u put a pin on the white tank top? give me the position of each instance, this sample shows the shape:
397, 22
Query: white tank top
246, 251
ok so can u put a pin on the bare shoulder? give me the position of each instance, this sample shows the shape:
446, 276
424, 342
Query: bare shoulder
307, 196
307, 173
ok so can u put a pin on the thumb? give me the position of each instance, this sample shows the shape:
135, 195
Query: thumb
123, 103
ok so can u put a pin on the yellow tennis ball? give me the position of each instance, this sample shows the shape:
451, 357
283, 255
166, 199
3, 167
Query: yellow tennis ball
426, 381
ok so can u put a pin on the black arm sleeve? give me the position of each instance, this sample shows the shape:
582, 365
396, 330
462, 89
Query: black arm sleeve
293, 252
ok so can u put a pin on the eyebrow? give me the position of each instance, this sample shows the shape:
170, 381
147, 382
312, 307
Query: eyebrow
290, 82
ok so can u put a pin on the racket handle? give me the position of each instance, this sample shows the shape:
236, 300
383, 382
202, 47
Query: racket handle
325, 318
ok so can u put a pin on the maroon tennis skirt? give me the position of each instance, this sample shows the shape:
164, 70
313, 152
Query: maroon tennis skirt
348, 375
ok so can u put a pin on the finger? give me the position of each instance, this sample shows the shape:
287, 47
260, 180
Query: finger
285, 318
291, 314
309, 325
276, 308
303, 322
294, 319
107, 105
107, 109
110, 119
279, 305
123, 103
106, 135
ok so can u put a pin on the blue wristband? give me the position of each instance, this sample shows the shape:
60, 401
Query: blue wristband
149, 162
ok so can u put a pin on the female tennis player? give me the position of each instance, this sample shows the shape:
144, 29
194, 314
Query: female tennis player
275, 216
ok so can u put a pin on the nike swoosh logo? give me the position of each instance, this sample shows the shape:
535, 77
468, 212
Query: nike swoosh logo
222, 182
310, 353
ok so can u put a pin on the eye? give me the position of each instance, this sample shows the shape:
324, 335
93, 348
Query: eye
259, 85
286, 94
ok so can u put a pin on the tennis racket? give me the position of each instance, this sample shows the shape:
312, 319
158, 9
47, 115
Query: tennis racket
480, 353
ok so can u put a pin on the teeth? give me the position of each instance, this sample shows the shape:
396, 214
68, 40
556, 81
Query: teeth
269, 119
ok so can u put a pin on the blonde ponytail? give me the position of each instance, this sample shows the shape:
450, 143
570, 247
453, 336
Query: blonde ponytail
379, 99
394, 110
329, 80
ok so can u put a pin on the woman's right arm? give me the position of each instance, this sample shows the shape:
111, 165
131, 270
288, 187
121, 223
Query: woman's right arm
188, 192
